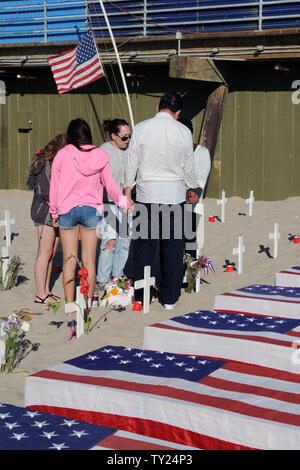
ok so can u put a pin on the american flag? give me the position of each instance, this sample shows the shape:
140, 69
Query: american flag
260, 299
196, 401
77, 67
288, 277
262, 340
24, 429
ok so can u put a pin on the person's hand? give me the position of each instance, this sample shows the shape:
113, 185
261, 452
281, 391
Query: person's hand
131, 206
55, 223
192, 197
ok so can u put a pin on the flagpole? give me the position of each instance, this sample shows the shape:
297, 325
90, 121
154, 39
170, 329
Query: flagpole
119, 63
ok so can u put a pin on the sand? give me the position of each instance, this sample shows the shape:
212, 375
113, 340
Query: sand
48, 335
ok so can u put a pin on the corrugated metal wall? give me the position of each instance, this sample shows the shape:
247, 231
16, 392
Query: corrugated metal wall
259, 142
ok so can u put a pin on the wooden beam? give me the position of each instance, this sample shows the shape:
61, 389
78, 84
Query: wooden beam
195, 68
212, 119
209, 133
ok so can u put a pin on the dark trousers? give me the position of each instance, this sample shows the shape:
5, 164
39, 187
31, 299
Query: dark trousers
160, 246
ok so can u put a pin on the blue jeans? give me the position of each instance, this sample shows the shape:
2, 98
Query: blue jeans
86, 216
111, 262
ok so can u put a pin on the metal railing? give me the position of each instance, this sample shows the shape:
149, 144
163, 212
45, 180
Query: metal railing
29, 21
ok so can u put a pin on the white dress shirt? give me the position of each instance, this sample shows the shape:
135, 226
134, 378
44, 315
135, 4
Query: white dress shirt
160, 158
203, 166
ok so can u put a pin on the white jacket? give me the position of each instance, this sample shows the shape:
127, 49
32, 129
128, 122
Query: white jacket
161, 150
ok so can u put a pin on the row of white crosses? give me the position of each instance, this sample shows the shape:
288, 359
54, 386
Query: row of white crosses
7, 222
241, 248
223, 201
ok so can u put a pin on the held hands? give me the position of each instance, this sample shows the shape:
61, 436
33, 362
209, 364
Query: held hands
127, 193
192, 197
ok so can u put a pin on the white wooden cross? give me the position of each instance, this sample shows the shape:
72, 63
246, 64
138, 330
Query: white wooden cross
239, 251
78, 306
275, 236
5, 259
222, 202
7, 222
2, 352
250, 201
2, 344
145, 284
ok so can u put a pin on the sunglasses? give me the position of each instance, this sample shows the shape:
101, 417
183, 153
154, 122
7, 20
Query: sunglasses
127, 137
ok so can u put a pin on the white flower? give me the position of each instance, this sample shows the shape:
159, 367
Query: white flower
25, 326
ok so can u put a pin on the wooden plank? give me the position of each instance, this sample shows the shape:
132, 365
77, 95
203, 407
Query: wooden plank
211, 123
255, 166
226, 167
195, 68
242, 143
284, 176
270, 151
295, 167
4, 156
59, 112
13, 142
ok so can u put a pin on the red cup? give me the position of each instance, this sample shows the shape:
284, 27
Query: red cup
211, 218
229, 268
296, 239
137, 306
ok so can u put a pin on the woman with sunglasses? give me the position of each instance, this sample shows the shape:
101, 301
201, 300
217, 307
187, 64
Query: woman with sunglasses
79, 172
114, 242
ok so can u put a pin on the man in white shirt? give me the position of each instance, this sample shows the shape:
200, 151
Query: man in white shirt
160, 159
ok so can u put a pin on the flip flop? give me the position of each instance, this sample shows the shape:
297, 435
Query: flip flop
24, 314
42, 301
56, 298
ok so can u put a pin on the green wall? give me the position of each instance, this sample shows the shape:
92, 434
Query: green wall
258, 146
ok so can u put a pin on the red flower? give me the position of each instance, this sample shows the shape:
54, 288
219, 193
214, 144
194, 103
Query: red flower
84, 285
84, 290
83, 273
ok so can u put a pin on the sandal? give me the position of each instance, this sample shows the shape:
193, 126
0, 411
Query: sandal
42, 301
56, 298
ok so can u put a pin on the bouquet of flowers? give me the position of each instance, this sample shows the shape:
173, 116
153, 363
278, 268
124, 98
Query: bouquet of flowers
14, 268
15, 330
119, 293
193, 267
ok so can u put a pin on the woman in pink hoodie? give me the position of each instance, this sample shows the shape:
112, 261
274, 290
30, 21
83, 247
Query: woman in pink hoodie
79, 172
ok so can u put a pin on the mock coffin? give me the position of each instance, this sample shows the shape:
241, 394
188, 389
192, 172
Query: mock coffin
194, 401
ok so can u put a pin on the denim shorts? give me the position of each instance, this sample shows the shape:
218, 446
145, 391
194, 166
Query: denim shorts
86, 216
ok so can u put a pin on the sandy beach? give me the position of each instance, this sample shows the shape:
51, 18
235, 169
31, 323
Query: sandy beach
49, 333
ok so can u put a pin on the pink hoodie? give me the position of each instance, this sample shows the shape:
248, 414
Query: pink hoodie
77, 179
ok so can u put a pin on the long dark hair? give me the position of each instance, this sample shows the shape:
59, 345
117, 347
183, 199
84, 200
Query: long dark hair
112, 126
79, 133
48, 152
